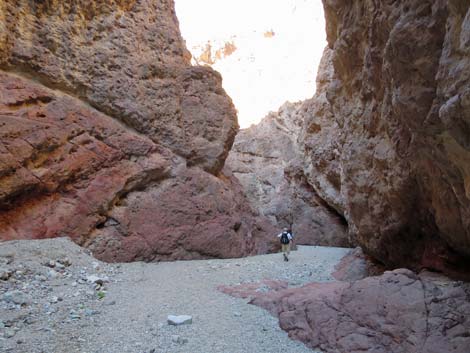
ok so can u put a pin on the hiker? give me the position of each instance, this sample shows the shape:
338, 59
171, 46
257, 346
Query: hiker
285, 236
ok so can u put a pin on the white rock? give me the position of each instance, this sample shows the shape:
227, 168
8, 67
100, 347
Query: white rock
97, 279
177, 320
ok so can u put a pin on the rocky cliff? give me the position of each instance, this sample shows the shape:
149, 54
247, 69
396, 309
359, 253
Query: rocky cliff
387, 135
267, 160
111, 137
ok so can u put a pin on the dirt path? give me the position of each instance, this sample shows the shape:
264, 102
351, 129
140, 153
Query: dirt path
132, 315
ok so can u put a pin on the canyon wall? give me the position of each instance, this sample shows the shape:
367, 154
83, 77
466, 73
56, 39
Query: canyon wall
387, 134
267, 160
110, 136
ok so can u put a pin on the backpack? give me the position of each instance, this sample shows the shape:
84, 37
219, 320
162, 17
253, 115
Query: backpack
284, 238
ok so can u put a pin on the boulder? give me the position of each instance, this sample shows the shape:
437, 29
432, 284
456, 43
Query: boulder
397, 312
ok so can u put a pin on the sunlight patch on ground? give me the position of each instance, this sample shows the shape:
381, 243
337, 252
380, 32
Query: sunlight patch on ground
267, 51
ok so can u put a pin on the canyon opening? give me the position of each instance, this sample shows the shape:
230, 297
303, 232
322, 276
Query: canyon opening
136, 215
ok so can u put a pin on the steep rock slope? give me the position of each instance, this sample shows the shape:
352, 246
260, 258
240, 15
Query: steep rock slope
386, 136
129, 175
267, 160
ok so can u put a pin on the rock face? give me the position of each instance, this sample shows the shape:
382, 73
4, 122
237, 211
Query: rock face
126, 59
267, 160
397, 312
119, 142
387, 135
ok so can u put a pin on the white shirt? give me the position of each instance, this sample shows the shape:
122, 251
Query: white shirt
289, 236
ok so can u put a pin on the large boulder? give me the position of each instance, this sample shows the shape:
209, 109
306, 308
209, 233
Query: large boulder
110, 137
387, 135
397, 312
267, 159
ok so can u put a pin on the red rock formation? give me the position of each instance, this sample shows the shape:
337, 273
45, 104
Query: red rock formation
398, 312
128, 60
130, 178
387, 137
267, 160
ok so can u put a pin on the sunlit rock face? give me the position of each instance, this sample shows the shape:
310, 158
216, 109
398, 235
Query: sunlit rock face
386, 136
267, 51
110, 137
267, 159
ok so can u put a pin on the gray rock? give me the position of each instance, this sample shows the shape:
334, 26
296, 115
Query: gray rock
5, 274
9, 333
178, 339
97, 279
16, 297
40, 278
52, 274
177, 320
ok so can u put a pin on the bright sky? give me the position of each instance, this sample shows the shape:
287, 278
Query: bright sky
263, 72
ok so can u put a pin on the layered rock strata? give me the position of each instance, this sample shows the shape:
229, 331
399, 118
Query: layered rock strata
267, 160
110, 137
386, 137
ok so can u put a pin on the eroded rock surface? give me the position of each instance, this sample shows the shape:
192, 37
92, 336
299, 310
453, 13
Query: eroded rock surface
396, 312
267, 160
128, 60
110, 137
386, 136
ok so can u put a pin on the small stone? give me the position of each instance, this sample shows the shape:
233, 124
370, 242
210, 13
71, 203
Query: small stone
177, 320
16, 297
112, 302
52, 274
59, 266
178, 339
96, 279
9, 333
5, 274
74, 284
65, 261
40, 278
50, 263
54, 299
90, 312
237, 314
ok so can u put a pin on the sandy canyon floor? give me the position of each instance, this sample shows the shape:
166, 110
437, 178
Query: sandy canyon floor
52, 300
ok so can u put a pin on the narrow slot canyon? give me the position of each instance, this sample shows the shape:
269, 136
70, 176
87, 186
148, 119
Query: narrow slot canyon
152, 151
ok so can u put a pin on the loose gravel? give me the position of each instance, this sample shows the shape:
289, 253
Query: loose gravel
69, 302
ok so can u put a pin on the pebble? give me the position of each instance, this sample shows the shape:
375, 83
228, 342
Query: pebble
177, 320
97, 279
16, 297
52, 274
9, 333
237, 314
178, 339
5, 274
40, 278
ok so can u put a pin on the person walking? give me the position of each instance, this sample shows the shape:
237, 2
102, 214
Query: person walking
285, 237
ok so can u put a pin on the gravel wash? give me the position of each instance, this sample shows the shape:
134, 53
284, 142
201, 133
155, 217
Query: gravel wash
55, 297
